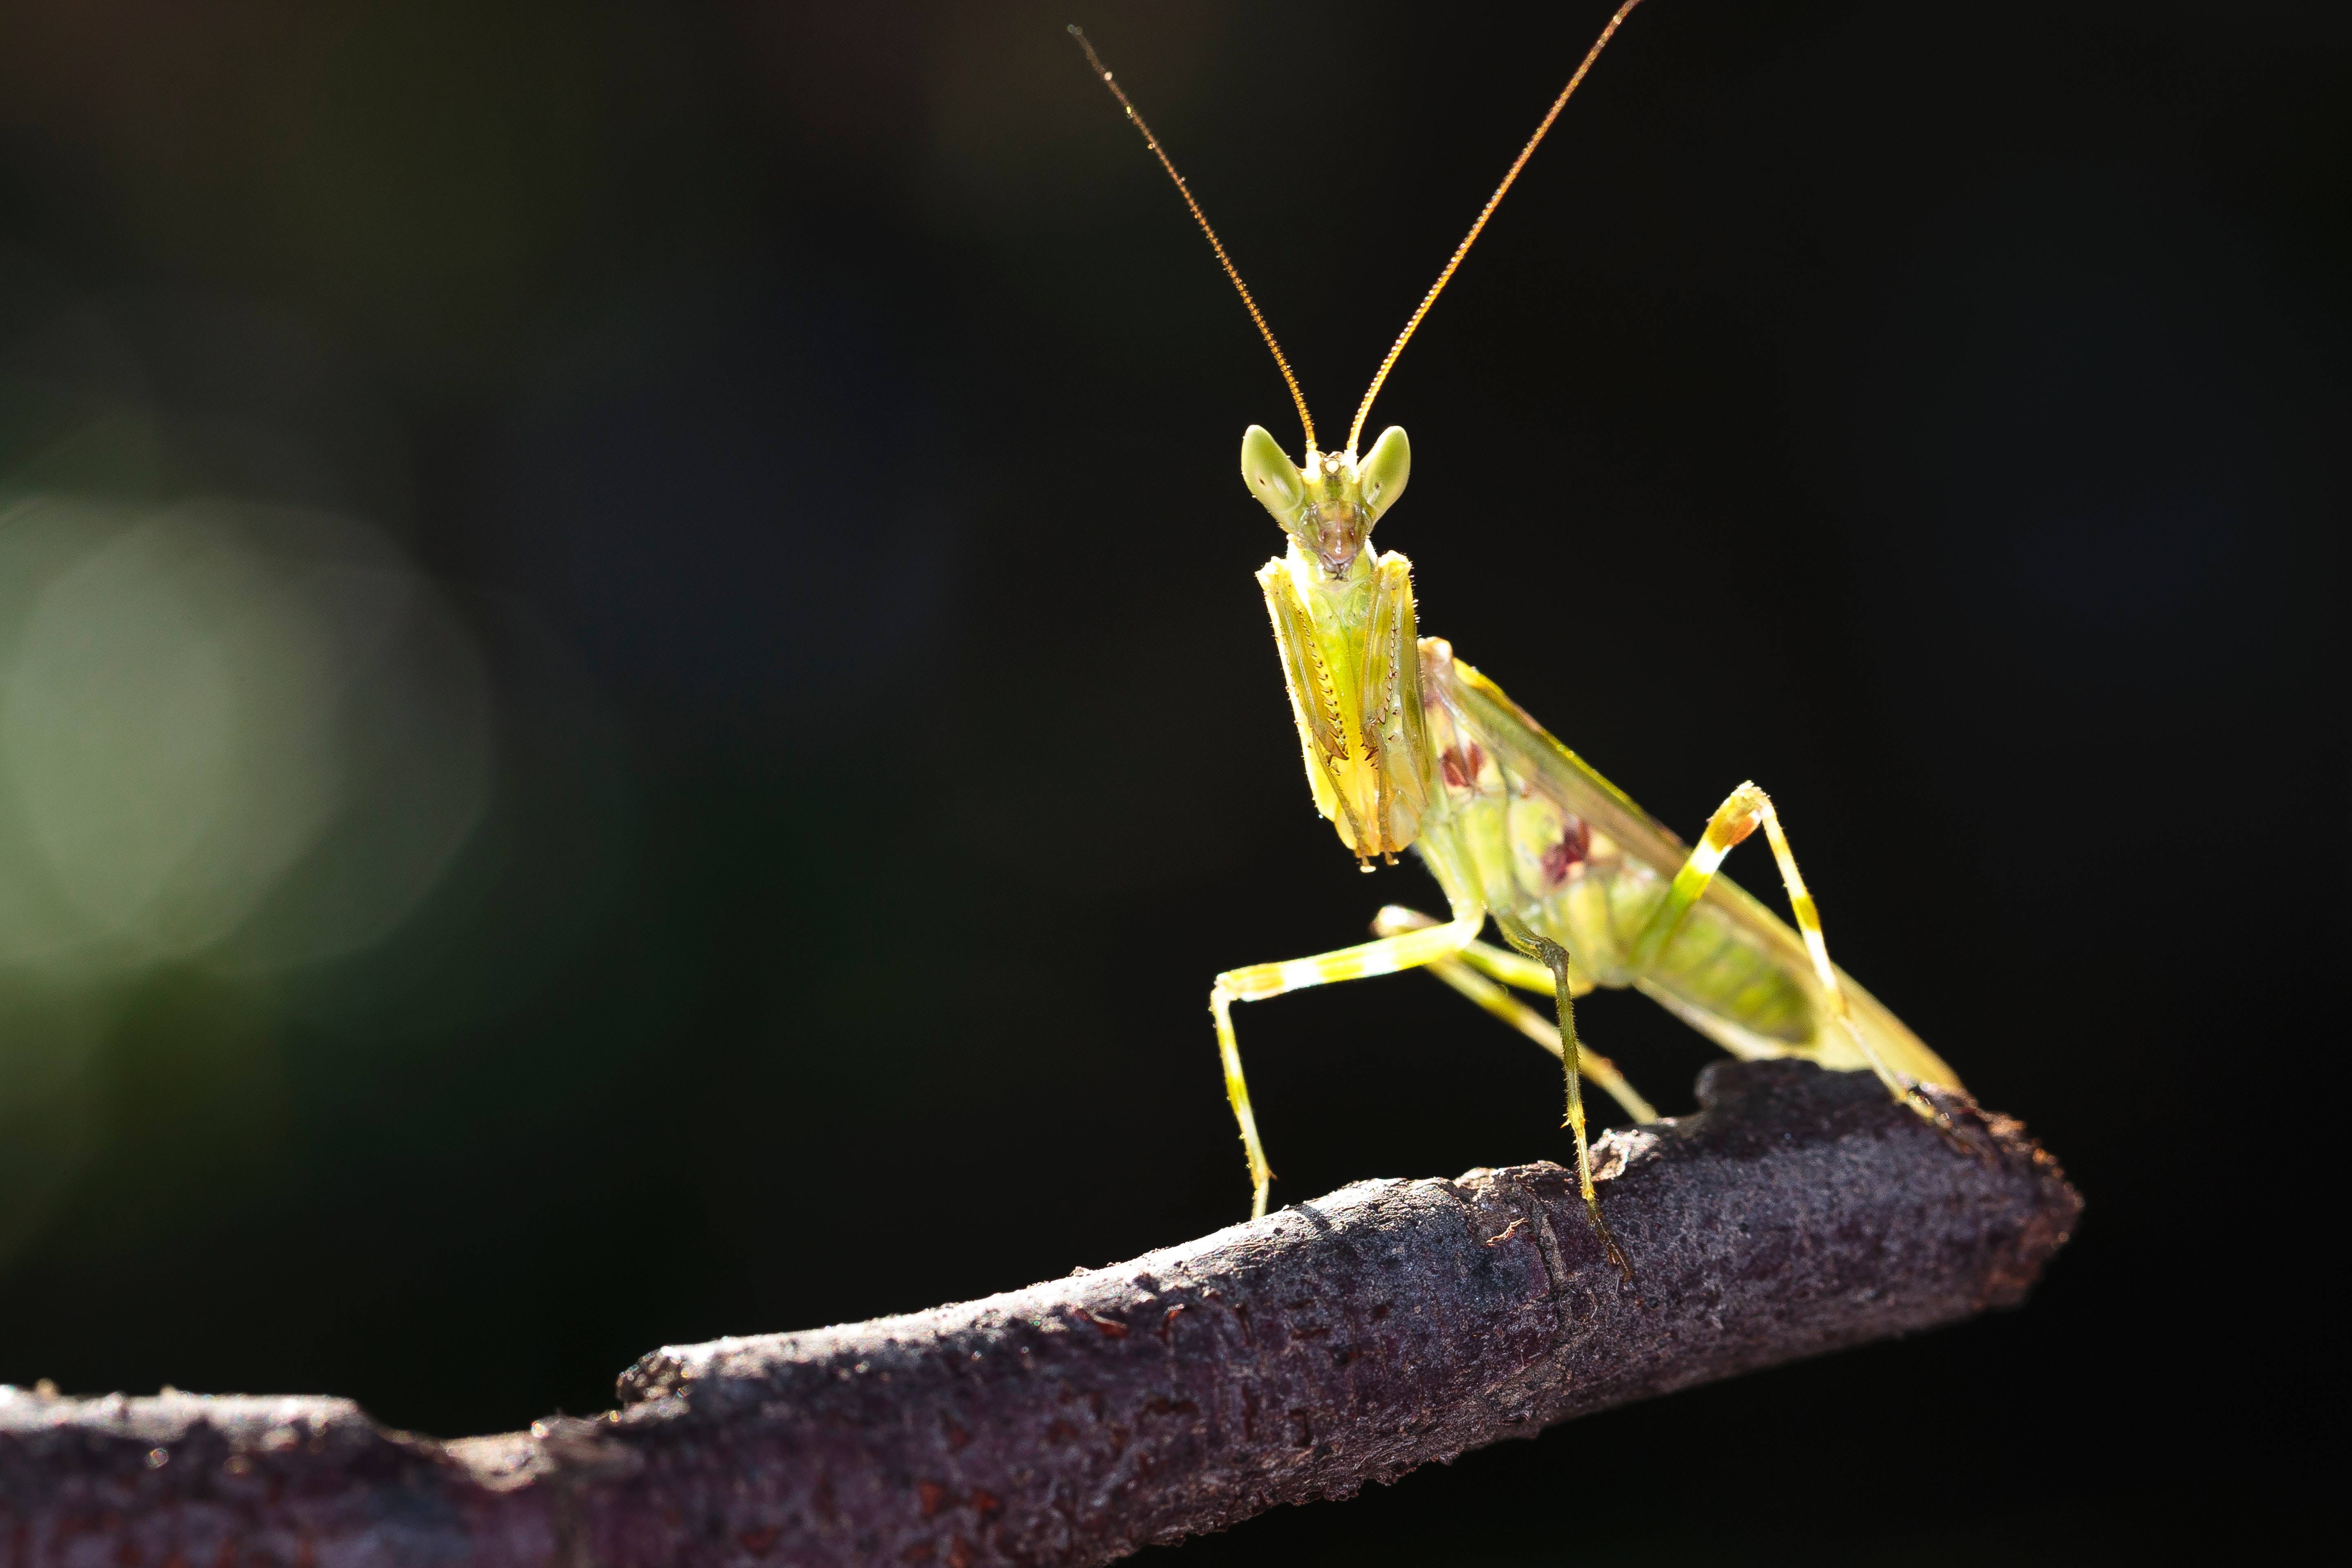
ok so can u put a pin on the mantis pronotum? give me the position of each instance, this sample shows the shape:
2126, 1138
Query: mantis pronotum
1408, 747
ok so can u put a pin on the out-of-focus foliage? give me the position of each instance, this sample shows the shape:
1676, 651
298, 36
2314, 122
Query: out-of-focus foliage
230, 735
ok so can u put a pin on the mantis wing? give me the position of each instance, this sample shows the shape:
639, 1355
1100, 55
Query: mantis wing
1744, 978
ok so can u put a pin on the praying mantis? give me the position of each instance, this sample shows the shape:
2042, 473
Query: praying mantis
1408, 747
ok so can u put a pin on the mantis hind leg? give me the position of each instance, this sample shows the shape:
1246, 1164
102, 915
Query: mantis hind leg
1469, 975
1404, 949
1741, 812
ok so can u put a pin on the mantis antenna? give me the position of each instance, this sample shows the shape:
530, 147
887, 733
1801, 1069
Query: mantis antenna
1305, 418
1364, 409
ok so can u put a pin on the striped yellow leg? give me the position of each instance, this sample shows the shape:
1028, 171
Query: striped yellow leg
1406, 950
1740, 814
1468, 974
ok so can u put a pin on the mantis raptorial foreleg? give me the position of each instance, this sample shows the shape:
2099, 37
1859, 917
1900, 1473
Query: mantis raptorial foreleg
1407, 949
1742, 811
1468, 974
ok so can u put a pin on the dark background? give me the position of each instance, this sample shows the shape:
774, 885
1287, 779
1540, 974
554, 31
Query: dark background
824, 417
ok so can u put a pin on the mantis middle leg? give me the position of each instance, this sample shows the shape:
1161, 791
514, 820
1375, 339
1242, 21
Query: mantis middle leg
1406, 950
1554, 957
1468, 974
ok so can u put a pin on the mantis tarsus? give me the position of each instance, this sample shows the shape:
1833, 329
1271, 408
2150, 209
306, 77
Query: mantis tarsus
1408, 747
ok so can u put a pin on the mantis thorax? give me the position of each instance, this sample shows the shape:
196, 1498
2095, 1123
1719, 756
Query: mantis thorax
1343, 621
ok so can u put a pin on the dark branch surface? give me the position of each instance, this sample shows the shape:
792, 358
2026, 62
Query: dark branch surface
1339, 1341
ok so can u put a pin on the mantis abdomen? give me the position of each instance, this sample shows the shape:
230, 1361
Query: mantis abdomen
1523, 826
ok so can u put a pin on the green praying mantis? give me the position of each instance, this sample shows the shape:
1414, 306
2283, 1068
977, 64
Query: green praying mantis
1407, 747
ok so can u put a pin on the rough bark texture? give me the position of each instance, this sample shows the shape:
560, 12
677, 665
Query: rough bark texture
1296, 1357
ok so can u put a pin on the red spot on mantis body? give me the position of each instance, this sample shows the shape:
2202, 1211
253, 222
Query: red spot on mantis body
1574, 845
1463, 767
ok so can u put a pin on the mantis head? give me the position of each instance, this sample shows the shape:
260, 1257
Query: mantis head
1328, 507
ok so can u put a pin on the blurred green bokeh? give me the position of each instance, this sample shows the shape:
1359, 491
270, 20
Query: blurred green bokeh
234, 741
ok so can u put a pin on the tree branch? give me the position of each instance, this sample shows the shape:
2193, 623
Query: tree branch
1297, 1357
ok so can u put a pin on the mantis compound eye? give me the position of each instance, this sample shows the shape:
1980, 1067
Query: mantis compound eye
1271, 476
1384, 470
